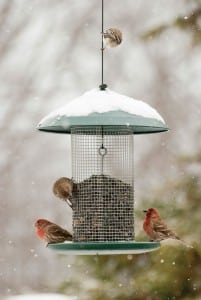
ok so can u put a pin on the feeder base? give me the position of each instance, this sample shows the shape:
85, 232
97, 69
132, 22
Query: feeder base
104, 248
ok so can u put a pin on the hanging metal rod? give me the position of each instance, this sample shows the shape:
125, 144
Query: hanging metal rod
103, 86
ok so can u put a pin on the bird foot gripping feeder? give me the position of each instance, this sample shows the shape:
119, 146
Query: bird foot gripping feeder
102, 124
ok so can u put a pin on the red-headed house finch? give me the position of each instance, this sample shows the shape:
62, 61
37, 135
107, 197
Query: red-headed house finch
156, 228
63, 189
51, 233
112, 37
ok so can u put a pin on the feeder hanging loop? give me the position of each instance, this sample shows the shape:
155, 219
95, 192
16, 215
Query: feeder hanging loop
102, 151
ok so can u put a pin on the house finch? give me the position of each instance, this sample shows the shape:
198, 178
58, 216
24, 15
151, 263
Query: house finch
112, 37
156, 228
50, 232
63, 188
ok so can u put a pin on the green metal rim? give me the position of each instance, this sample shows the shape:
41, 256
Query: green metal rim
93, 248
135, 129
138, 124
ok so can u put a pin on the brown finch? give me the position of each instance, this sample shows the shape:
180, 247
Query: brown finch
112, 37
51, 233
63, 188
156, 228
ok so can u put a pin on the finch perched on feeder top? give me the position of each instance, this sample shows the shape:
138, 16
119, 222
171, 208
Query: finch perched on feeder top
156, 228
63, 188
51, 233
112, 37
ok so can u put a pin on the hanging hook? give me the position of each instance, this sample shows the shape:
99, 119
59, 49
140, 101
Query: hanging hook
102, 151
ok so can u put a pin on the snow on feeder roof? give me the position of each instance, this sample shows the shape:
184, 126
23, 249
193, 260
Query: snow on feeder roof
104, 108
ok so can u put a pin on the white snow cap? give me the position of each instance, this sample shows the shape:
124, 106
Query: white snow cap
97, 101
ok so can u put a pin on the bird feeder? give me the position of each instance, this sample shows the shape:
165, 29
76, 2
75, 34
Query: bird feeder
102, 124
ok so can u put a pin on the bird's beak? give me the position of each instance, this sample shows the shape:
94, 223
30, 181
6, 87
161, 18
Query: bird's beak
145, 211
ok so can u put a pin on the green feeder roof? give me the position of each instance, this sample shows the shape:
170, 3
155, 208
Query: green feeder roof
93, 248
104, 108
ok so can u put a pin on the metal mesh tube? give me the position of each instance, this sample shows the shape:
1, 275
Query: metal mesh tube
102, 167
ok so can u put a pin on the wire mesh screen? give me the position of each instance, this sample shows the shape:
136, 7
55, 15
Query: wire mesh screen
102, 167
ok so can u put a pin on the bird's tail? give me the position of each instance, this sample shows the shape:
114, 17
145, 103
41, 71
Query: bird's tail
185, 244
172, 239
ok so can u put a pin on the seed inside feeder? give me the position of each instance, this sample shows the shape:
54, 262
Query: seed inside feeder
103, 210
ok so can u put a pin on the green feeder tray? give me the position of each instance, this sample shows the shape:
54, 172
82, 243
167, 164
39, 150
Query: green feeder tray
104, 248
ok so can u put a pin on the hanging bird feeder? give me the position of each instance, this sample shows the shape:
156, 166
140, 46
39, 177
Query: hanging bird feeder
102, 124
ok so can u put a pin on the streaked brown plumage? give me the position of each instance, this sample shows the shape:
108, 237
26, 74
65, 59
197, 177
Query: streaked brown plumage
112, 37
51, 233
63, 188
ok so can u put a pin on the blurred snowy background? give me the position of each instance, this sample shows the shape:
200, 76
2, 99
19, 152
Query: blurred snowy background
49, 54
42, 296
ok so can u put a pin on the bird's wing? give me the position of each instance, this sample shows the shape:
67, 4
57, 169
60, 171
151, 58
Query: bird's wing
158, 225
161, 228
59, 232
